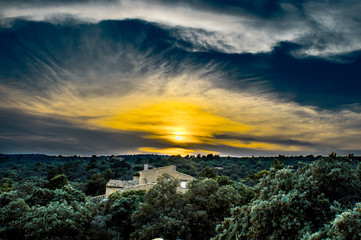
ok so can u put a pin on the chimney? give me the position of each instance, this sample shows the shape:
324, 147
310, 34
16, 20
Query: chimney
146, 165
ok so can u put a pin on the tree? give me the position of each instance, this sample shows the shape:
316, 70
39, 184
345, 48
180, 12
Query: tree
345, 225
12, 210
58, 181
207, 203
58, 220
93, 163
276, 164
40, 196
160, 215
332, 155
138, 160
223, 180
95, 185
207, 172
55, 171
43, 196
243, 170
108, 174
5, 185
291, 204
119, 209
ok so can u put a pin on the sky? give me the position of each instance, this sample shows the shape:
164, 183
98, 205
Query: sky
227, 77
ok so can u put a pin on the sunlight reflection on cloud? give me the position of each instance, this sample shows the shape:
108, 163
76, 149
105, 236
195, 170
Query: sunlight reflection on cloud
204, 114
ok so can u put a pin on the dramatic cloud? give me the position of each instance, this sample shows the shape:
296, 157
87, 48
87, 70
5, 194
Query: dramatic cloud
83, 77
322, 28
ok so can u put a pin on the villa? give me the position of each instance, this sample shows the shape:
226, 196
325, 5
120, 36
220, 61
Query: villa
147, 179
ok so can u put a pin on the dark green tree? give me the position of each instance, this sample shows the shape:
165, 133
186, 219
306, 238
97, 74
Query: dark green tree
58, 181
108, 174
96, 185
207, 203
223, 180
277, 165
93, 163
58, 220
40, 196
12, 211
292, 204
207, 172
119, 209
55, 170
345, 225
160, 215
43, 196
5, 185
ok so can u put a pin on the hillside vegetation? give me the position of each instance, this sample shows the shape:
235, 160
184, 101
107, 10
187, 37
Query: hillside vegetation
48, 197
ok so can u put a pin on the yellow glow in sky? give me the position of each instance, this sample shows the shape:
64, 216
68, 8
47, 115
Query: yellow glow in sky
173, 121
196, 119
175, 151
176, 122
178, 136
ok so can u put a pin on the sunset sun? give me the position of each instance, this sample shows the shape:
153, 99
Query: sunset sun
178, 136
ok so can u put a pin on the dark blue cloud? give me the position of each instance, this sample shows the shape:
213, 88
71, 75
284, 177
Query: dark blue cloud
265, 8
264, 139
52, 2
316, 81
38, 55
21, 132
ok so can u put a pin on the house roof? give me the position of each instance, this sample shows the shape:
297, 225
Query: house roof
119, 183
125, 184
156, 169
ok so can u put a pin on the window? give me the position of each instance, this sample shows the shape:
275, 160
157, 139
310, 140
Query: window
183, 184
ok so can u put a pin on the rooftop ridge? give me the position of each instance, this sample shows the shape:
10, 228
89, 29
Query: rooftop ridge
117, 183
139, 185
183, 174
159, 168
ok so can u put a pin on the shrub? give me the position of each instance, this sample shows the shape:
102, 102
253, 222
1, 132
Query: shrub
291, 204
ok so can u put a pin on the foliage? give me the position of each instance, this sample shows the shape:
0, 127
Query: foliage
96, 185
293, 204
246, 193
160, 213
207, 172
344, 226
57, 219
207, 204
93, 163
5, 185
277, 165
43, 197
108, 174
223, 180
138, 194
259, 175
119, 210
194, 215
291, 200
58, 181
53, 171
12, 210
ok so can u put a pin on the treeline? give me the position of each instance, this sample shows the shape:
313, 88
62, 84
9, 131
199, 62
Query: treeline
320, 199
90, 174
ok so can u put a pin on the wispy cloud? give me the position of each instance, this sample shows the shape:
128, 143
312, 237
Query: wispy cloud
236, 80
321, 27
206, 119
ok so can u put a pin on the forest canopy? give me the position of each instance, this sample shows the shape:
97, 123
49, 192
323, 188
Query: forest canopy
289, 198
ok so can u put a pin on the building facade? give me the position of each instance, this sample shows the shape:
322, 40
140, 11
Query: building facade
147, 179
